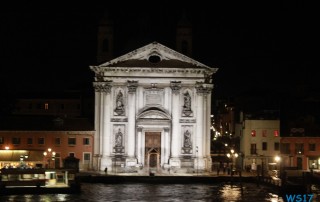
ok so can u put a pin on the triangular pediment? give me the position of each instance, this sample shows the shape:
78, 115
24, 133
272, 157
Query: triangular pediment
153, 55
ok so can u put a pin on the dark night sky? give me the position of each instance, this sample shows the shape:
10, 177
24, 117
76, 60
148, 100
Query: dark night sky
254, 45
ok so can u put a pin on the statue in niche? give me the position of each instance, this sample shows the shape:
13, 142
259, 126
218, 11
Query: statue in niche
187, 139
187, 104
119, 104
118, 139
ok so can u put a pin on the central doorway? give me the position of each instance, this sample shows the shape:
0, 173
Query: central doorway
153, 150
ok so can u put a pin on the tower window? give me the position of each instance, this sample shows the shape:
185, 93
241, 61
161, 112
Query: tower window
184, 47
105, 45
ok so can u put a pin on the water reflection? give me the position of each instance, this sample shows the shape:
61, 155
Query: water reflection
158, 192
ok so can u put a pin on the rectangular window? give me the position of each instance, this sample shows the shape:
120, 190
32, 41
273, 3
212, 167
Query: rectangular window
39, 106
29, 140
86, 141
1, 140
253, 133
86, 156
253, 149
46, 106
285, 148
41, 140
264, 133
276, 133
312, 147
299, 148
276, 146
264, 146
15, 140
57, 141
62, 106
72, 141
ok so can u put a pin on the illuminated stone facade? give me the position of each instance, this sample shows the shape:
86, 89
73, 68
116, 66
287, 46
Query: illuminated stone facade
152, 112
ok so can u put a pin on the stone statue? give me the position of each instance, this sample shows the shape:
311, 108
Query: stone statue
187, 105
187, 139
187, 101
119, 100
118, 138
119, 104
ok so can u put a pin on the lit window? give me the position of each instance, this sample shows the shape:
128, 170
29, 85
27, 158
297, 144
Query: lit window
253, 133
276, 133
46, 106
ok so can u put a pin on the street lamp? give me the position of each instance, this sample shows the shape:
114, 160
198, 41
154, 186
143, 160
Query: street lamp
278, 159
50, 155
233, 157
22, 159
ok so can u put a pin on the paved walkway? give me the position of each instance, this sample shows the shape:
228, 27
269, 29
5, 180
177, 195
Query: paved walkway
166, 173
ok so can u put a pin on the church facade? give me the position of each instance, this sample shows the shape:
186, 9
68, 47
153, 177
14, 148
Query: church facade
152, 112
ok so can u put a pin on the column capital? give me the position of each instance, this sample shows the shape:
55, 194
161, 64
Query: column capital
175, 86
132, 86
166, 129
102, 86
203, 89
139, 128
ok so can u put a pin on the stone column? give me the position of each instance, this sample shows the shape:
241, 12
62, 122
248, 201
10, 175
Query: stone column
139, 145
167, 145
208, 118
105, 140
132, 87
175, 133
206, 126
97, 111
200, 114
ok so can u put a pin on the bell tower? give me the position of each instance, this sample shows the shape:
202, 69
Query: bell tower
184, 35
105, 39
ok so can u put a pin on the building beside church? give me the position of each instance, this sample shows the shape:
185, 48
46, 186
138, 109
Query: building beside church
152, 112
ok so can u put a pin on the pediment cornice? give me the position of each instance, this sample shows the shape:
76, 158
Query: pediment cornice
144, 53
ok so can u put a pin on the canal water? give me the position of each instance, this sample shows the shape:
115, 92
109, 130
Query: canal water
160, 192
